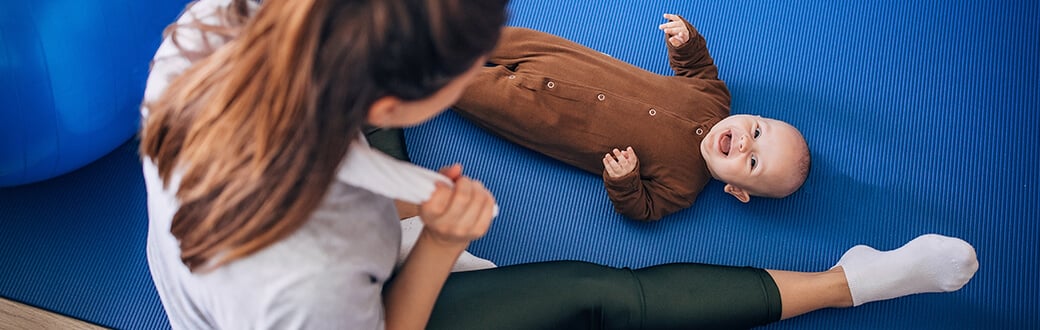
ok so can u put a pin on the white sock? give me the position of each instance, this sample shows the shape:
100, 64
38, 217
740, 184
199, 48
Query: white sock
928, 263
410, 229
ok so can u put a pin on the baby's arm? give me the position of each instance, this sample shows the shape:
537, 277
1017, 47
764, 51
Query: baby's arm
687, 50
633, 196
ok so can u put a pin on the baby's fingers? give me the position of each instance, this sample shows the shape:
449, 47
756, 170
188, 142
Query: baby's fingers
621, 158
672, 28
611, 165
630, 154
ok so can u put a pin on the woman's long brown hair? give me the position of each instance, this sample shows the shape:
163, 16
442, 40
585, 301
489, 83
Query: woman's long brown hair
256, 130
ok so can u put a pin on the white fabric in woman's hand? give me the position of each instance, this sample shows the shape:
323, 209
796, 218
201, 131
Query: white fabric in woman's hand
379, 173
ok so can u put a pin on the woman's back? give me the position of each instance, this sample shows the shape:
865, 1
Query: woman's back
336, 262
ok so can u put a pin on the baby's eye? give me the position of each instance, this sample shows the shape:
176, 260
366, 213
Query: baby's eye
757, 132
754, 161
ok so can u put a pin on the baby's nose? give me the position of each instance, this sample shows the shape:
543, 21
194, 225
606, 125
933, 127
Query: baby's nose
743, 145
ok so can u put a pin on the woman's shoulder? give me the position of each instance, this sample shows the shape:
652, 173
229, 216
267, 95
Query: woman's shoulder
184, 42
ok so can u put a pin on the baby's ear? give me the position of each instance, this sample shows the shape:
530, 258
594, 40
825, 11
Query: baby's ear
741, 194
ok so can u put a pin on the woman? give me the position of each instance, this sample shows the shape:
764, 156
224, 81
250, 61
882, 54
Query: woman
250, 228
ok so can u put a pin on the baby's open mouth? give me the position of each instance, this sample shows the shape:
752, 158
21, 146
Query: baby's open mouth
724, 142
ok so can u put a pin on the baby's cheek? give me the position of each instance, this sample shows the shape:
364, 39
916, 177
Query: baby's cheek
716, 168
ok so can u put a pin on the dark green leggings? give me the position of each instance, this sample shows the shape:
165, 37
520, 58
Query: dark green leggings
581, 295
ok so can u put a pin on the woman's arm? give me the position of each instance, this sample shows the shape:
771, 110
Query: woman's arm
405, 209
452, 217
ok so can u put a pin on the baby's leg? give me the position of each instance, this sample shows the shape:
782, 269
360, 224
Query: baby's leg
518, 50
508, 97
517, 45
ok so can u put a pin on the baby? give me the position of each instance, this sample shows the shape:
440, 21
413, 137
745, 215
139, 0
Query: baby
574, 104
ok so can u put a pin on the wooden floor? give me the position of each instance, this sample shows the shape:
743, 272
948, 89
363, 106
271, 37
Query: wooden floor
15, 315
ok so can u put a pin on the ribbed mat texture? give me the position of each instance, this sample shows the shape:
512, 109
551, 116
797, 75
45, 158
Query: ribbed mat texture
922, 118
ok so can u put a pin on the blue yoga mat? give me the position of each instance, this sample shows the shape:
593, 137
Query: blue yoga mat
921, 117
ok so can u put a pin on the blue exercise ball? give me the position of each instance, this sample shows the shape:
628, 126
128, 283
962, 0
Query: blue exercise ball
72, 75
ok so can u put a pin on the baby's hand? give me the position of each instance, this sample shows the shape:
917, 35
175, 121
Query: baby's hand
620, 162
676, 30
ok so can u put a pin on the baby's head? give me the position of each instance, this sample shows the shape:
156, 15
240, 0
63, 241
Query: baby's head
756, 156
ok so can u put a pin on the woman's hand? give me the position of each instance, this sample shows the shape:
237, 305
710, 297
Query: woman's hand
620, 163
454, 216
676, 30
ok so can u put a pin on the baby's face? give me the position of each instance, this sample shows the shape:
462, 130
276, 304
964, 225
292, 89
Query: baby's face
757, 154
